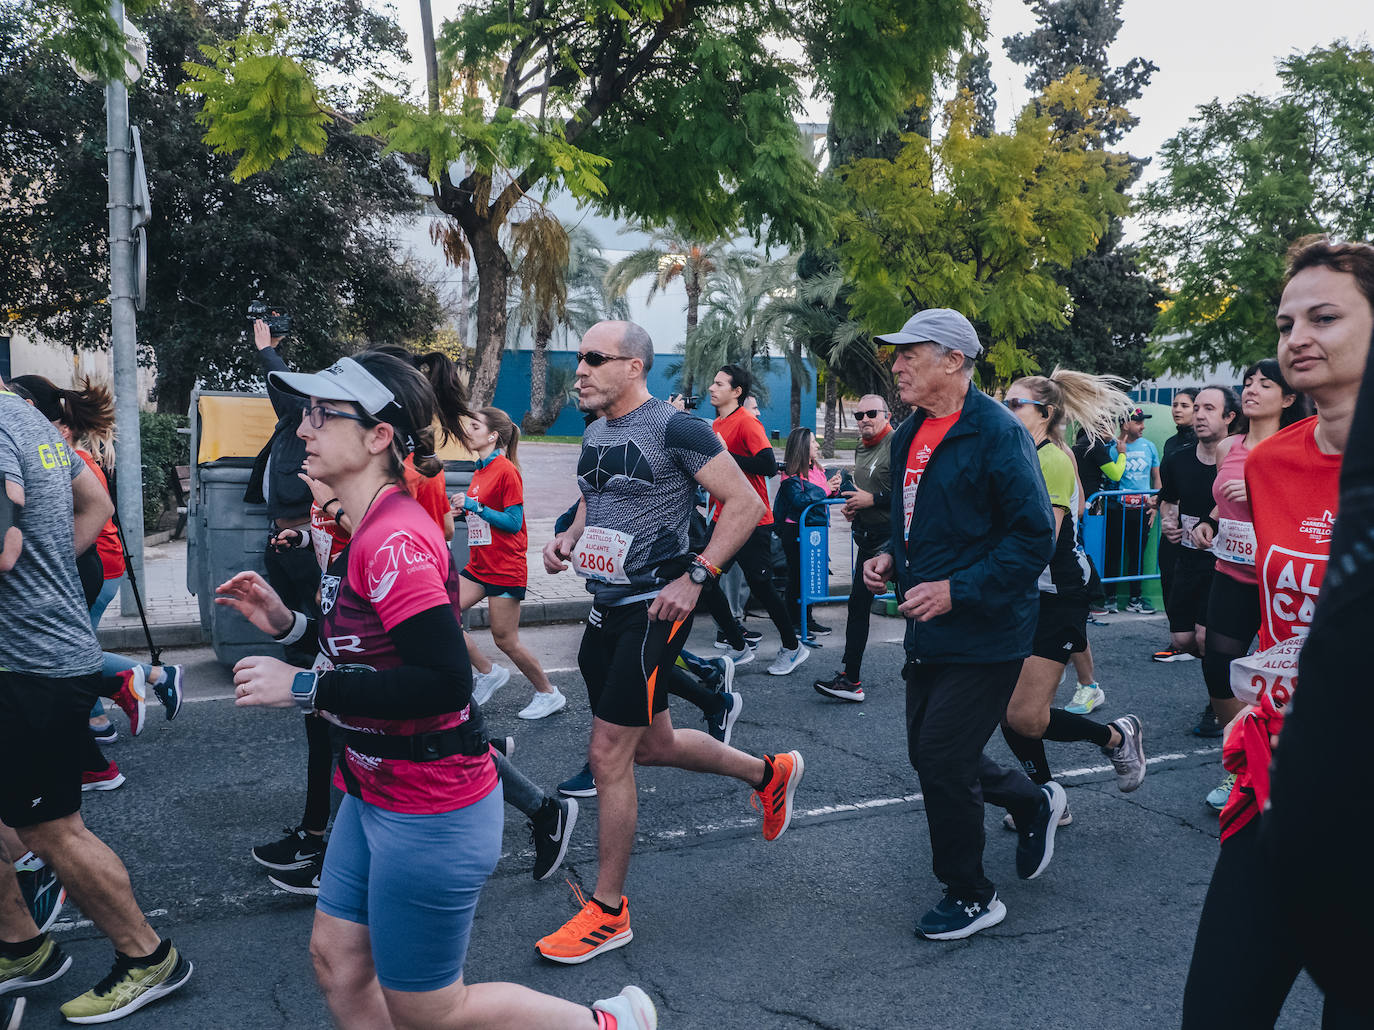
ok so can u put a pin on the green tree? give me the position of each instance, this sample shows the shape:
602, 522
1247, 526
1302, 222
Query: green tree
980, 223
1113, 303
1242, 182
679, 112
741, 323
562, 278
313, 234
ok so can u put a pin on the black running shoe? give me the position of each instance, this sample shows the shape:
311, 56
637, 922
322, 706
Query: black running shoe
11, 1013
106, 734
294, 851
816, 629
953, 919
169, 690
305, 880
580, 785
43, 894
1036, 846
751, 639
842, 687
551, 830
1208, 725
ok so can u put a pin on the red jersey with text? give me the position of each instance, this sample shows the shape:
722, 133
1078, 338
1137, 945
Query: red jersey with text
1294, 489
495, 556
927, 438
743, 435
107, 544
396, 566
329, 539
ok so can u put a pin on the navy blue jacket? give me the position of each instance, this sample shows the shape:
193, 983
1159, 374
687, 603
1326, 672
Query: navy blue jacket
981, 520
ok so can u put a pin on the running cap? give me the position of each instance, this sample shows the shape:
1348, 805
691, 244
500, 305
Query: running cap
346, 380
1137, 415
944, 326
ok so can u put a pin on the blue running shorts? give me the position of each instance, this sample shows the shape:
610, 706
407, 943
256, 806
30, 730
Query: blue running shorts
413, 881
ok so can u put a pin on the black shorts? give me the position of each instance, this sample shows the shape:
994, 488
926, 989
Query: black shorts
1061, 630
44, 745
494, 589
1233, 609
624, 658
1188, 593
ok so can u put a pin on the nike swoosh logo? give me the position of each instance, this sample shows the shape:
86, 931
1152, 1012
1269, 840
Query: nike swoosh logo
301, 856
557, 837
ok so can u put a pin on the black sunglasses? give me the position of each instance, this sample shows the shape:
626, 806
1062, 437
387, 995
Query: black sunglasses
319, 415
596, 359
1020, 402
870, 414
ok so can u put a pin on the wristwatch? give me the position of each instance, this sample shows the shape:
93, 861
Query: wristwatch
701, 573
303, 687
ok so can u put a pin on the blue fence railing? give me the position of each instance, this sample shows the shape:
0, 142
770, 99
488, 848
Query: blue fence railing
813, 543
1122, 531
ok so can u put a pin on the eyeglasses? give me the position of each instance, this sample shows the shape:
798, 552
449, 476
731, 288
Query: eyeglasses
319, 415
870, 414
596, 359
1020, 402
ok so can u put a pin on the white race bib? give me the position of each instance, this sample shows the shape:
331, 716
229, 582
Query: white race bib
1235, 542
600, 554
479, 531
1273, 673
1188, 523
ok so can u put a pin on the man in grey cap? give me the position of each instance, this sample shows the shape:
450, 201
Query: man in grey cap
971, 530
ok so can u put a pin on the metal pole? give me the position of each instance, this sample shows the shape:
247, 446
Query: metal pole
123, 325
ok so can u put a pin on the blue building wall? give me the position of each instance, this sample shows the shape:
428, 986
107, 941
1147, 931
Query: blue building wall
513, 391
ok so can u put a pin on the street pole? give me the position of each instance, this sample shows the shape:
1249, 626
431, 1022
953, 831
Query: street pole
123, 323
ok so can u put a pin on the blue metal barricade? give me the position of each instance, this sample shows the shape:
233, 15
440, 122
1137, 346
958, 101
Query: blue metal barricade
813, 551
1095, 536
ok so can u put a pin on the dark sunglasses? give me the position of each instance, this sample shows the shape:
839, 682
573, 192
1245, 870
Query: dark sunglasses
1020, 402
870, 414
596, 359
319, 415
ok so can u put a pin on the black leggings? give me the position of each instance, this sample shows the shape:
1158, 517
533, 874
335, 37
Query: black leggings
752, 558
319, 769
1244, 959
1233, 618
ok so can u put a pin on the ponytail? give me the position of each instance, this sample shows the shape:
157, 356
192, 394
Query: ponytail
507, 432
1096, 403
88, 413
449, 392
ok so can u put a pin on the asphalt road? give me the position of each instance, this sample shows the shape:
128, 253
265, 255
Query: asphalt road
812, 931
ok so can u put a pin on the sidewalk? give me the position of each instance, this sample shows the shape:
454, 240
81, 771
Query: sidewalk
174, 613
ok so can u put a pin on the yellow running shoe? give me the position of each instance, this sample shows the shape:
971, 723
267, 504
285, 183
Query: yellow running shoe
128, 987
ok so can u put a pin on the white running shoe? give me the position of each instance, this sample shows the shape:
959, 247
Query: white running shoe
743, 656
631, 1008
484, 684
1086, 697
787, 661
542, 705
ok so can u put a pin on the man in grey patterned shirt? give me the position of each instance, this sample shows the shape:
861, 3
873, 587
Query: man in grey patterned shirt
638, 471
53, 509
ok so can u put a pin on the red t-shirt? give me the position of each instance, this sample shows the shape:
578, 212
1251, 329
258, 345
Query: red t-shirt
396, 566
494, 556
928, 437
329, 539
107, 543
1294, 489
743, 435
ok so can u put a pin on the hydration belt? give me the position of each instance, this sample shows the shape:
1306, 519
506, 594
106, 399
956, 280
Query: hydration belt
467, 739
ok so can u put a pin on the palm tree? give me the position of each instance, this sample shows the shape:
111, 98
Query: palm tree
562, 280
670, 255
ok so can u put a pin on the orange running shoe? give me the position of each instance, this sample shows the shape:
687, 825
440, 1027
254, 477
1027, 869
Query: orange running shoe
775, 800
587, 934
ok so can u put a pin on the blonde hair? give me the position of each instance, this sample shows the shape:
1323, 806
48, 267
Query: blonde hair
1096, 403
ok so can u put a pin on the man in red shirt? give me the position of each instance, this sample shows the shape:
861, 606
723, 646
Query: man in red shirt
744, 437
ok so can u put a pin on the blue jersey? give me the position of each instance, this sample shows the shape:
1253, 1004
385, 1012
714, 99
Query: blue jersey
1141, 457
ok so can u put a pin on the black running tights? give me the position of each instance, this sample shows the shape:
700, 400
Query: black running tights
1064, 727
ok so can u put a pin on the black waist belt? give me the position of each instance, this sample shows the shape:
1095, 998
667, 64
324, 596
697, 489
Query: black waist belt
467, 739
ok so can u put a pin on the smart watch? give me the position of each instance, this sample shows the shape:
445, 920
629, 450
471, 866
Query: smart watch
303, 687
701, 571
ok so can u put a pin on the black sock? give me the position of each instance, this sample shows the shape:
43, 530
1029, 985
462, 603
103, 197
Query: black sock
20, 949
607, 908
1066, 726
159, 954
767, 774
1030, 752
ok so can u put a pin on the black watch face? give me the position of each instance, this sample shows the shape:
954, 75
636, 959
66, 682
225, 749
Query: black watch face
698, 574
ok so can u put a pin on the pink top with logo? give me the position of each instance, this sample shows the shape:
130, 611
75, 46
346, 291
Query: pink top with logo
1235, 554
396, 566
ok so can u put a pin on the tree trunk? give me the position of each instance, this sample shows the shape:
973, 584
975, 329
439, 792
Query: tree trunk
832, 400
693, 302
431, 60
493, 285
540, 417
795, 411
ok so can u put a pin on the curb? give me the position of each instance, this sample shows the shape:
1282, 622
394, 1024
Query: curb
165, 634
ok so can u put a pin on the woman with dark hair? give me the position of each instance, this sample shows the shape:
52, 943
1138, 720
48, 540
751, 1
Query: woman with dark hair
803, 484
420, 829
1233, 614
494, 507
1244, 959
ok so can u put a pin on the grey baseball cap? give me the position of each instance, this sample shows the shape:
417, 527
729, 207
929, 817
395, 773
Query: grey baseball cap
944, 326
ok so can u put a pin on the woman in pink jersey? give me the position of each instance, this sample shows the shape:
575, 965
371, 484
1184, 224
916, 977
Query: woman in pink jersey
1269, 404
1244, 960
420, 829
